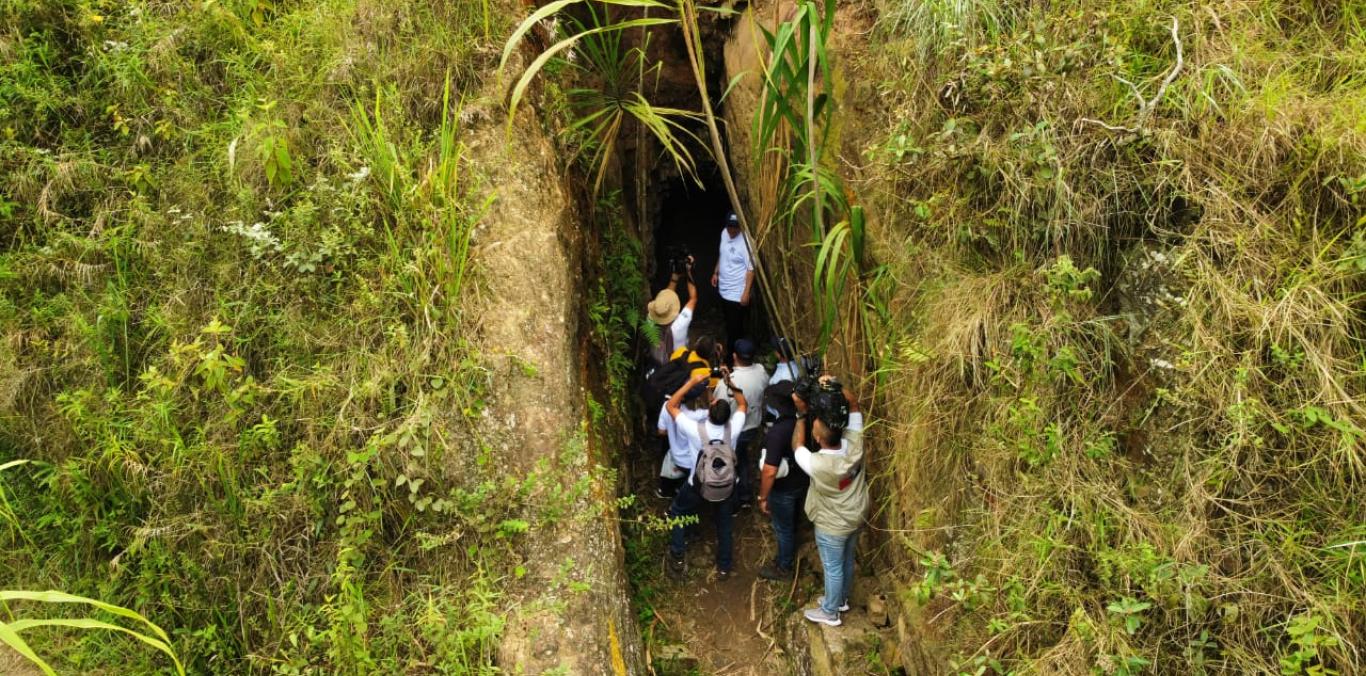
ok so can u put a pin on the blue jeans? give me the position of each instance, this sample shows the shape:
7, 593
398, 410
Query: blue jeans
837, 558
688, 502
783, 506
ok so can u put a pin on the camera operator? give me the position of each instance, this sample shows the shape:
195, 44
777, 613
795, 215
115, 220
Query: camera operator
837, 499
664, 310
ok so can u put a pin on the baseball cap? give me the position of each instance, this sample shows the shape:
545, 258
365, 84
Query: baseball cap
745, 348
783, 347
732, 219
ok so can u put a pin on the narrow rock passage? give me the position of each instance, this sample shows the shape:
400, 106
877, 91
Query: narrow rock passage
709, 624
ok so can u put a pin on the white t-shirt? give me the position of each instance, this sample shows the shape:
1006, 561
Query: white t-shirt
803, 454
734, 262
783, 371
679, 328
751, 380
681, 450
689, 429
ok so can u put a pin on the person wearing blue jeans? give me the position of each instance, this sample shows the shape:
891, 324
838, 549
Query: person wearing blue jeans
782, 506
838, 497
837, 558
782, 485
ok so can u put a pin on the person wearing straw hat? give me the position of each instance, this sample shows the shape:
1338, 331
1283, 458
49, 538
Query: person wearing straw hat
674, 321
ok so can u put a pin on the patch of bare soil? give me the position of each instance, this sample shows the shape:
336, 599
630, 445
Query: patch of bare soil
724, 623
11, 664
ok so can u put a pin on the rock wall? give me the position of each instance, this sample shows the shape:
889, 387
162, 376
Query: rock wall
572, 610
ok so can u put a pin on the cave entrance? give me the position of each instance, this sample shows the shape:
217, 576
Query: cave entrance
690, 219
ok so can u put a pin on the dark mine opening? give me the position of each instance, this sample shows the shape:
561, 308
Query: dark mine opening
691, 220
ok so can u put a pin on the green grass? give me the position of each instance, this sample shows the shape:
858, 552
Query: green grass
235, 244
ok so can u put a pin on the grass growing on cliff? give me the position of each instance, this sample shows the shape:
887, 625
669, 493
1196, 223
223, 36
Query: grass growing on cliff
235, 279
1132, 329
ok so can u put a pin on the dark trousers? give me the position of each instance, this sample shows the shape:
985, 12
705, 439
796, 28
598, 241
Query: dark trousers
689, 502
736, 316
784, 506
745, 464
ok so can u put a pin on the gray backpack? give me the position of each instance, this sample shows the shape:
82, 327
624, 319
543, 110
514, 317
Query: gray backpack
715, 472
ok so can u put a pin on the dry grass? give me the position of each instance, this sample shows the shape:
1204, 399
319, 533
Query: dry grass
1198, 413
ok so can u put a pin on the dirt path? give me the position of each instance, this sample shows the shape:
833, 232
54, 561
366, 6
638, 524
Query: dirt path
716, 621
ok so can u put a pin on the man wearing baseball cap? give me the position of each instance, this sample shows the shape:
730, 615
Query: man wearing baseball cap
751, 379
734, 278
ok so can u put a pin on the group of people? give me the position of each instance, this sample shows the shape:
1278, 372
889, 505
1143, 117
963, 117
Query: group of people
724, 418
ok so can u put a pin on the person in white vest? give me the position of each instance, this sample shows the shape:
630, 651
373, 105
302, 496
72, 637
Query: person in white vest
837, 499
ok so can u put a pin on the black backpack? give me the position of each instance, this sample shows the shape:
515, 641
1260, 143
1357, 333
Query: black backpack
662, 382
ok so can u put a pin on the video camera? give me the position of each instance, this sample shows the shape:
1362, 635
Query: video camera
825, 399
677, 257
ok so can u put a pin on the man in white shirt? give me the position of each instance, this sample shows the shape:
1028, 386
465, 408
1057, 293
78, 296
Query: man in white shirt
751, 380
679, 455
664, 311
734, 278
722, 423
837, 499
785, 369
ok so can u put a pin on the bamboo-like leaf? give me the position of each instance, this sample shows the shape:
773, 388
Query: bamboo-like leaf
11, 638
857, 221
731, 85
88, 623
13, 463
63, 597
545, 57
829, 257
527, 24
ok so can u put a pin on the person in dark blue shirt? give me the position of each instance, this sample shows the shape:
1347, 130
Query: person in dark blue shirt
782, 484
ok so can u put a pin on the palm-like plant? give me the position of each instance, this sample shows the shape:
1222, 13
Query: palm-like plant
614, 76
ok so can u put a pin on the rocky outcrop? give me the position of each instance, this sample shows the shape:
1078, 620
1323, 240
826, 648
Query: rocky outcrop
571, 611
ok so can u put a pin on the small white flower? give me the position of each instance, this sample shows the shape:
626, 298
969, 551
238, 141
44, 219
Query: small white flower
1161, 363
359, 175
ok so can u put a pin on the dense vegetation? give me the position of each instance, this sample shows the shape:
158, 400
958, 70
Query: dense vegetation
1109, 287
1123, 264
234, 240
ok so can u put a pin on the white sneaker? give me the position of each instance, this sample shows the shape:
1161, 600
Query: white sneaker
844, 607
818, 615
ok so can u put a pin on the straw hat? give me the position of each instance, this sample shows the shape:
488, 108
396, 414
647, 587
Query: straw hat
664, 308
